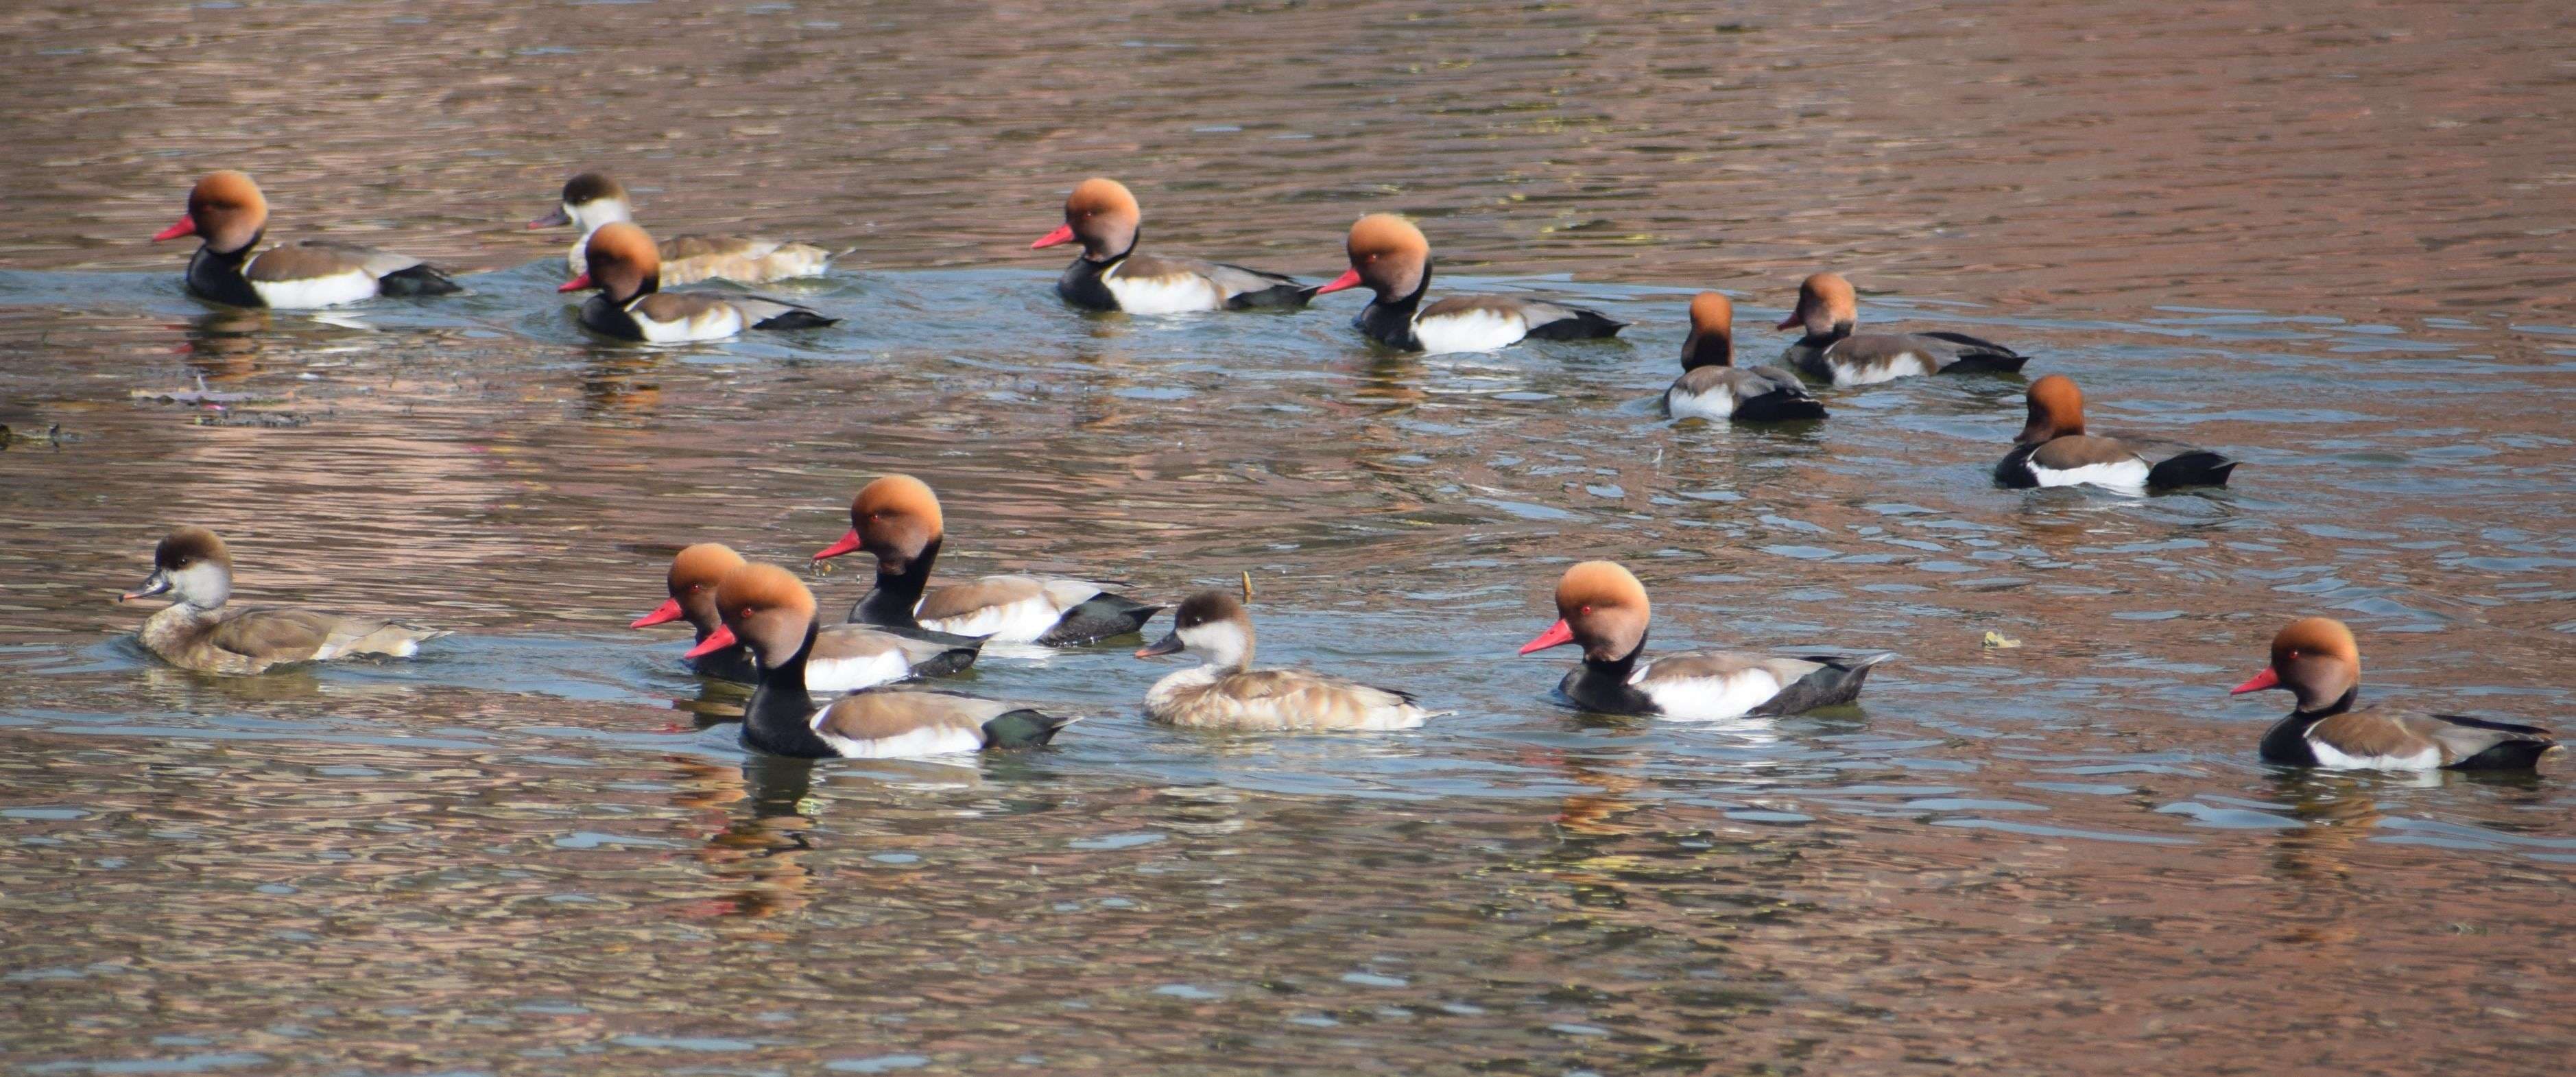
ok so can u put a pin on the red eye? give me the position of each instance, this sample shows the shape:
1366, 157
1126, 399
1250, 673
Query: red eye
1586, 609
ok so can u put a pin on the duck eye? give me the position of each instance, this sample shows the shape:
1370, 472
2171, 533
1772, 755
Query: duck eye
1586, 609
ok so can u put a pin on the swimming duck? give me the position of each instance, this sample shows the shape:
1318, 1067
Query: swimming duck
2316, 660
1227, 693
1602, 607
897, 520
844, 658
592, 199
631, 305
1828, 310
2054, 450
227, 209
765, 607
196, 632
1713, 387
1391, 257
1110, 275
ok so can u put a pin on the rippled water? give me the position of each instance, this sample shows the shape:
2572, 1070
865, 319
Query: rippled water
2328, 240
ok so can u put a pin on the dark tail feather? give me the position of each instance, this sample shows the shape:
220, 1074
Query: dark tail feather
795, 319
950, 662
418, 280
1781, 406
1838, 683
1023, 729
1987, 363
1275, 297
1584, 325
1103, 616
2196, 468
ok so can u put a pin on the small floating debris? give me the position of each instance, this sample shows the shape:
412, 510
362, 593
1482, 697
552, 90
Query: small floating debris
1997, 641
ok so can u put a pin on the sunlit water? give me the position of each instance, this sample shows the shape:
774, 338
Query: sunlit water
2328, 244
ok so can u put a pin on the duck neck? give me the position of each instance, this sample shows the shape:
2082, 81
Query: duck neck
1601, 684
1390, 321
891, 601
780, 717
2340, 705
1708, 349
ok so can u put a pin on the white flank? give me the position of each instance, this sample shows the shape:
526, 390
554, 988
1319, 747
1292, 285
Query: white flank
1702, 699
718, 322
852, 674
1162, 295
2332, 759
312, 292
1473, 331
407, 648
1717, 406
913, 745
2126, 476
1906, 365
1011, 622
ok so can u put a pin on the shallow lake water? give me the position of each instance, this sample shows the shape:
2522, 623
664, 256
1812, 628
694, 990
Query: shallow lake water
2328, 240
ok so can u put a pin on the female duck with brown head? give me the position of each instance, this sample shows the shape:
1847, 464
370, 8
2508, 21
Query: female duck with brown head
1110, 275
897, 520
1390, 256
197, 632
592, 199
1713, 387
2054, 450
772, 612
845, 658
2317, 661
631, 305
1601, 607
228, 212
1227, 693
1828, 310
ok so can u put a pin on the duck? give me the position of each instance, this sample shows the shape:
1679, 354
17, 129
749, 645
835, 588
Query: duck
592, 199
2054, 450
227, 211
2316, 660
845, 658
897, 520
1102, 214
1225, 692
1828, 310
1601, 607
1712, 387
195, 631
765, 607
626, 268
1390, 256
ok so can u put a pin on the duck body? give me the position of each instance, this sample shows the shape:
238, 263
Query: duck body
2054, 450
772, 612
1715, 685
2346, 739
1712, 387
842, 658
1876, 357
1227, 693
197, 632
592, 200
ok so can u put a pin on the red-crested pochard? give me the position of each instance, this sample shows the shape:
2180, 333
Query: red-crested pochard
844, 658
1110, 275
196, 632
897, 520
1828, 310
2054, 450
592, 199
227, 211
626, 268
2316, 660
1390, 257
1601, 607
1225, 692
771, 610
1713, 387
